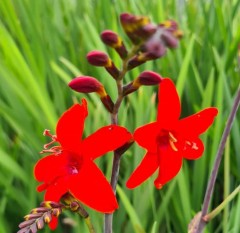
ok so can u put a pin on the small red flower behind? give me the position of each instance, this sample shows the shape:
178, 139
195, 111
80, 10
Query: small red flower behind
70, 167
169, 139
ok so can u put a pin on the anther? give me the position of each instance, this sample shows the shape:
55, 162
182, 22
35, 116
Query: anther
172, 140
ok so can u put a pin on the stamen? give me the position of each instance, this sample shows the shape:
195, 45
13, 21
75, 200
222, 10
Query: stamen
172, 140
55, 149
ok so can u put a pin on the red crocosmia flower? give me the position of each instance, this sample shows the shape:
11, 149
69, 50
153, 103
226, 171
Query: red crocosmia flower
70, 167
169, 139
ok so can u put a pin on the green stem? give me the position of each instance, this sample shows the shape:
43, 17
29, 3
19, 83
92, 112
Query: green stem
89, 225
217, 210
114, 120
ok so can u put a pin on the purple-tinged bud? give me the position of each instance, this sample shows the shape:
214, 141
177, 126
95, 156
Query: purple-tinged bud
32, 216
40, 223
47, 217
170, 25
56, 212
26, 223
169, 40
40, 210
51, 204
98, 58
148, 78
87, 84
33, 228
112, 39
133, 26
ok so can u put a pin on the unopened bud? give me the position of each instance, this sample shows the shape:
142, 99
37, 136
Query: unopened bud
170, 25
32, 216
50, 204
148, 78
87, 84
40, 223
98, 58
133, 26
26, 223
151, 54
56, 212
169, 40
112, 39
47, 218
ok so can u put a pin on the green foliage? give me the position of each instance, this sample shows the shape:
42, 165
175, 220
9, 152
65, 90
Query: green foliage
43, 45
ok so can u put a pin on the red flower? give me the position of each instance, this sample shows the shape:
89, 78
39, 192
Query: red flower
71, 168
169, 139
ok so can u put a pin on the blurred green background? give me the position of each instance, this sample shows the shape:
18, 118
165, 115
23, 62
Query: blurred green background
43, 44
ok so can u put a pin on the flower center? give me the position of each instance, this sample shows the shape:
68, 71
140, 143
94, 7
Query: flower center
166, 138
74, 164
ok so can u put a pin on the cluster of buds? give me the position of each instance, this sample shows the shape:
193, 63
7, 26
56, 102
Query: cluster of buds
150, 41
40, 216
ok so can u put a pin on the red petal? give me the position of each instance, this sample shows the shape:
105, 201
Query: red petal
170, 163
198, 123
144, 170
50, 167
169, 107
146, 136
193, 148
70, 126
53, 224
106, 139
91, 187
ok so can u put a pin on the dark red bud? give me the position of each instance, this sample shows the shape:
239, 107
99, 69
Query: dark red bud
148, 78
98, 58
87, 84
111, 38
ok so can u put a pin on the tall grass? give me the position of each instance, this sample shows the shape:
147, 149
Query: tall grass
43, 45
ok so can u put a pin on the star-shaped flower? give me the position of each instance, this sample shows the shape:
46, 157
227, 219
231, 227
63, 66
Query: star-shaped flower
169, 139
70, 167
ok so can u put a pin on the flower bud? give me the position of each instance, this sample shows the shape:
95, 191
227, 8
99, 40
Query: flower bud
133, 26
40, 223
148, 78
111, 39
87, 84
98, 58
47, 217
169, 40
